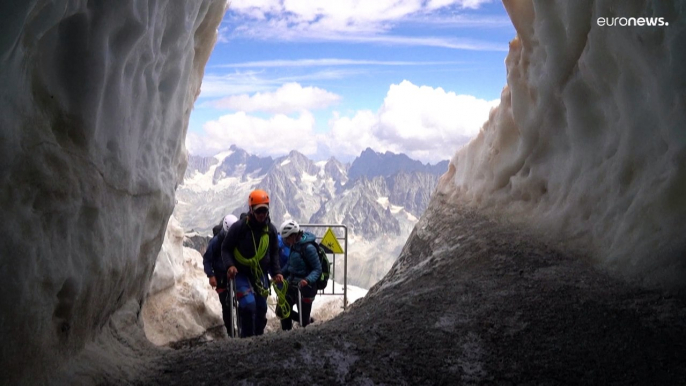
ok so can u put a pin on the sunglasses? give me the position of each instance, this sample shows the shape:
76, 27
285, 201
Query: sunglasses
261, 210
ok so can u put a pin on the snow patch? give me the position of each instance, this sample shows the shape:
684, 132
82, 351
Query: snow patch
395, 209
309, 178
180, 304
383, 201
220, 157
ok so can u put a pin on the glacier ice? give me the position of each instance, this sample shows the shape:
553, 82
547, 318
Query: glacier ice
180, 304
588, 144
94, 107
589, 141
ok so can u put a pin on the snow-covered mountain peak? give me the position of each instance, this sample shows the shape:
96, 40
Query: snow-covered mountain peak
380, 208
300, 188
371, 163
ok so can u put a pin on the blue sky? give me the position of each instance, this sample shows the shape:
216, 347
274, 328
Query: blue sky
331, 78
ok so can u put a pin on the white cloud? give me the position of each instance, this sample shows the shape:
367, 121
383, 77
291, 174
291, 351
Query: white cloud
274, 32
428, 124
454, 43
425, 123
258, 9
236, 83
344, 12
473, 4
289, 98
329, 62
462, 20
223, 35
350, 135
249, 82
354, 21
275, 136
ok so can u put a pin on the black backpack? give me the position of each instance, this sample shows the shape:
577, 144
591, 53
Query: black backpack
323, 279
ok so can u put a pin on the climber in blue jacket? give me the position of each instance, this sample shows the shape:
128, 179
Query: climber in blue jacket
301, 272
216, 271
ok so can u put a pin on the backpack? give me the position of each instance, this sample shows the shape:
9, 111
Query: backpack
323, 279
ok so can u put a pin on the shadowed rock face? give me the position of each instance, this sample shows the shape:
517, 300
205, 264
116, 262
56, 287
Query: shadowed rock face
197, 242
94, 108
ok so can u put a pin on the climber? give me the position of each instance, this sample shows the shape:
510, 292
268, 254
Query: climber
216, 271
301, 271
250, 251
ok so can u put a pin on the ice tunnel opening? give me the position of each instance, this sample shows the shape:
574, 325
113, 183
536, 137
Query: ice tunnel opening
588, 140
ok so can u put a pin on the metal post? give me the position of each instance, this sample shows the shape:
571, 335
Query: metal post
231, 300
300, 305
345, 260
345, 270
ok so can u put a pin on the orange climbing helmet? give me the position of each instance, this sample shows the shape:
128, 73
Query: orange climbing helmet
258, 197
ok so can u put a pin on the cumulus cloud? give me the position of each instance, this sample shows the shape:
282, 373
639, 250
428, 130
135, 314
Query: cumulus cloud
289, 98
425, 123
428, 124
248, 82
275, 136
350, 135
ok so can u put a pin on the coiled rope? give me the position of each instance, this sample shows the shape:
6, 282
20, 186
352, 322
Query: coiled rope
281, 302
256, 270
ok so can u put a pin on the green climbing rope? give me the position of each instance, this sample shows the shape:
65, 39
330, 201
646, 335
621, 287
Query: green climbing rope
281, 302
254, 262
256, 270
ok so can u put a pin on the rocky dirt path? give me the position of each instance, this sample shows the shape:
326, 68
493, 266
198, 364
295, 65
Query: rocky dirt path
470, 301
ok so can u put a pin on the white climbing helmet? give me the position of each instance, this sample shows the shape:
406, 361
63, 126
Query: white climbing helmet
288, 228
229, 219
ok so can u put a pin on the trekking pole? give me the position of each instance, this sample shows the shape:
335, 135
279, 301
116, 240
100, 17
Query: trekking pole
239, 327
233, 310
300, 305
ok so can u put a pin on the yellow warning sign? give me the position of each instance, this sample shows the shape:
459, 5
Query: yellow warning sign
329, 240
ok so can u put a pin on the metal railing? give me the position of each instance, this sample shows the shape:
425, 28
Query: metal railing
345, 259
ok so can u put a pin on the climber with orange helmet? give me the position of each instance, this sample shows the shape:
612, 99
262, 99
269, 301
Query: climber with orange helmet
250, 251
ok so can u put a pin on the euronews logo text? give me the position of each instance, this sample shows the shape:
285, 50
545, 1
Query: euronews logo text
632, 22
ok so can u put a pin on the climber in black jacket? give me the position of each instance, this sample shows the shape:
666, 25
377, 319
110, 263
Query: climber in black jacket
250, 251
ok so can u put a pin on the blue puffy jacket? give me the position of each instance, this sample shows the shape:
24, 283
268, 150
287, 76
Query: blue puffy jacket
284, 251
303, 261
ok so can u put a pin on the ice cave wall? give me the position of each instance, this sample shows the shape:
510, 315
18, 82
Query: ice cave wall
589, 141
94, 107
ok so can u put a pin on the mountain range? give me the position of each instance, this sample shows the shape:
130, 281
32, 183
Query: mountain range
379, 197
